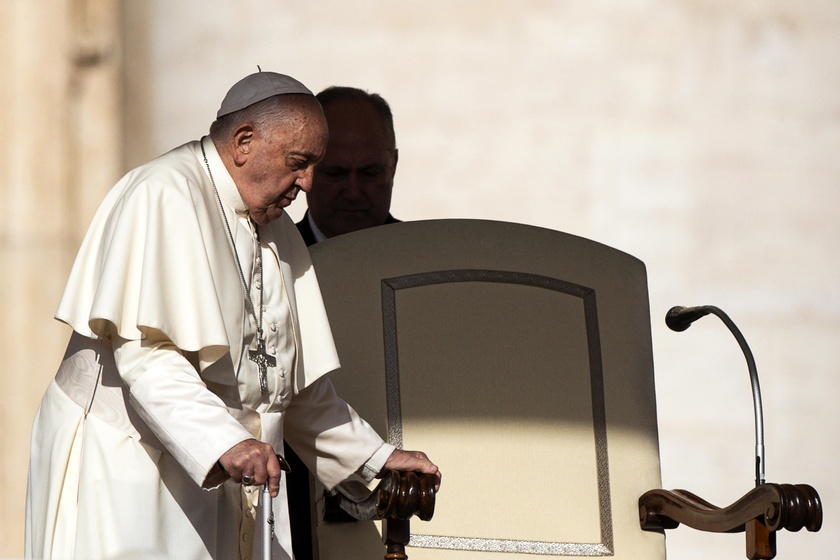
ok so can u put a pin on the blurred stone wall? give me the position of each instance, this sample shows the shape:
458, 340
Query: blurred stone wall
60, 107
699, 136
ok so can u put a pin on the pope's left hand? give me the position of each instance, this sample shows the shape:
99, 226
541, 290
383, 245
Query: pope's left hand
412, 461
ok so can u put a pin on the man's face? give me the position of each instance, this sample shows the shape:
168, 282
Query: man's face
352, 186
280, 166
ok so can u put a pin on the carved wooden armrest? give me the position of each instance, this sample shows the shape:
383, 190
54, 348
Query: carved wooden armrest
395, 500
760, 512
399, 495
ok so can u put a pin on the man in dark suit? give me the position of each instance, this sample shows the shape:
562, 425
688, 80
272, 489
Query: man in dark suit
351, 188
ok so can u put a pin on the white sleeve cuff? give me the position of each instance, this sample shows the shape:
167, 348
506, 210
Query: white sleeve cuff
374, 465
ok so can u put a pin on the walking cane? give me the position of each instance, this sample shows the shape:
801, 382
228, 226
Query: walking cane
264, 531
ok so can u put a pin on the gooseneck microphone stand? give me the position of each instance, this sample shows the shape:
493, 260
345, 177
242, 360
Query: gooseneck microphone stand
679, 319
762, 511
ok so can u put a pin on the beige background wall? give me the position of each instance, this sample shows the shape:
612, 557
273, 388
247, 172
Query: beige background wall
60, 113
699, 136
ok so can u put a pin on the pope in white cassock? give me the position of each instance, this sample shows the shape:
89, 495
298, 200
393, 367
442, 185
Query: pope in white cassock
199, 343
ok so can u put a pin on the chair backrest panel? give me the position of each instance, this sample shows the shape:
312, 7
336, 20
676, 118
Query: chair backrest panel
520, 359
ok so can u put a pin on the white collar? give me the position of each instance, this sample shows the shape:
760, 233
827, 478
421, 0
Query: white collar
225, 186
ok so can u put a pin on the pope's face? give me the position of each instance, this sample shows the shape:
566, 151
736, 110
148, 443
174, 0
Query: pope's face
352, 186
281, 164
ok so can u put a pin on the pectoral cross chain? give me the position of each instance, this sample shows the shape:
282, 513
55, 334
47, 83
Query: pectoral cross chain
264, 360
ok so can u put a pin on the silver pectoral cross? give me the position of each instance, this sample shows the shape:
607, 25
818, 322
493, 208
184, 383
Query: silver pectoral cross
264, 360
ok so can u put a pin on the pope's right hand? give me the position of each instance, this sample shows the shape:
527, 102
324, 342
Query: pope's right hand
254, 459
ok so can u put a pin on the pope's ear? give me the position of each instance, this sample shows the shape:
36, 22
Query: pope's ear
243, 137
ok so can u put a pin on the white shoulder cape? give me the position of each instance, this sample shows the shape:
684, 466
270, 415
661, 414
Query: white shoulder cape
157, 256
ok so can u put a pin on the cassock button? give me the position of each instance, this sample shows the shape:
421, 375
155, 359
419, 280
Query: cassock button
272, 350
282, 373
258, 284
273, 327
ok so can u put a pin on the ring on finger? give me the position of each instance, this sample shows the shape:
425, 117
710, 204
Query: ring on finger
247, 480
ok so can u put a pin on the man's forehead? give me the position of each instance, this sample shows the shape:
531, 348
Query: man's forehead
356, 150
353, 114
349, 128
303, 129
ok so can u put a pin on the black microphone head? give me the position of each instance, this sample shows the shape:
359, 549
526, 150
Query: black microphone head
680, 318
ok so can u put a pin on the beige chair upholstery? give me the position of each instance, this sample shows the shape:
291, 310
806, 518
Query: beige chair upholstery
519, 359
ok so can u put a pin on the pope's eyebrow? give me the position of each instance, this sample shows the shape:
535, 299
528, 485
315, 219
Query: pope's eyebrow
308, 156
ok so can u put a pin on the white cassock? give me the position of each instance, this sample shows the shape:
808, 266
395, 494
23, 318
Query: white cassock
156, 383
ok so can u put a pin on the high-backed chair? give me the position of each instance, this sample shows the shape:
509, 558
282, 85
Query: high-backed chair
520, 360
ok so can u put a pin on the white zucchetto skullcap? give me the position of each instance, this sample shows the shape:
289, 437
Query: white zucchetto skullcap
257, 87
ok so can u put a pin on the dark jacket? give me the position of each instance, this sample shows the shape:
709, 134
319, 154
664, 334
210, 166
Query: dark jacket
308, 235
